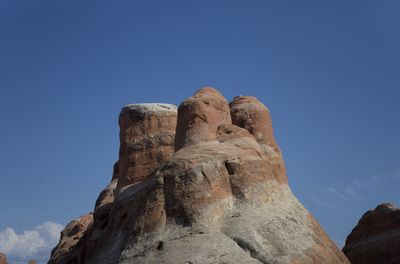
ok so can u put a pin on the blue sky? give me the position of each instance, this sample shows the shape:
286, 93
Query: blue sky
328, 70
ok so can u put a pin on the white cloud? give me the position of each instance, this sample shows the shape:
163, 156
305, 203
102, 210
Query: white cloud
30, 244
339, 194
330, 204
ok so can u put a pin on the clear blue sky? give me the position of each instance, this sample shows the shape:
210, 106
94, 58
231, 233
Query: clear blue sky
328, 70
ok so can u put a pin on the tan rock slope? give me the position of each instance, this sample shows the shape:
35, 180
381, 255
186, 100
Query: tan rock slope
376, 238
221, 197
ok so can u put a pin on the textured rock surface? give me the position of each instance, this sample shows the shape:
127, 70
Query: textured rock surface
146, 140
254, 116
69, 247
3, 258
376, 238
249, 113
222, 197
200, 116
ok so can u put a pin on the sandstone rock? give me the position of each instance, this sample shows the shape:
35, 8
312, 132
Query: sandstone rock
107, 195
249, 113
222, 198
200, 116
69, 247
376, 238
3, 258
147, 133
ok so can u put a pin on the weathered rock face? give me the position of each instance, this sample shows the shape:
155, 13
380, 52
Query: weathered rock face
376, 238
3, 258
222, 197
69, 247
252, 115
146, 140
200, 116
249, 113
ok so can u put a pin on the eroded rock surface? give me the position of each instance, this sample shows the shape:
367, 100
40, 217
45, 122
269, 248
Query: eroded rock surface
200, 116
376, 238
147, 134
69, 247
222, 197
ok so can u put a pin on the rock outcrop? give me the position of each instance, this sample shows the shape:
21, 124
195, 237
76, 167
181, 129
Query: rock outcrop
376, 238
200, 116
222, 197
3, 258
146, 140
69, 247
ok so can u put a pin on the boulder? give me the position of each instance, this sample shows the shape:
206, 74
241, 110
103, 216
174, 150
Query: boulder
376, 237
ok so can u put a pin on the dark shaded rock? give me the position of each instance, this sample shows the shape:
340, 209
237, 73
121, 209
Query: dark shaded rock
376, 238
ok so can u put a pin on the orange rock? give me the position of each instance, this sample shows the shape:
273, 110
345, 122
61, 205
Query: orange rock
376, 238
249, 113
200, 116
147, 133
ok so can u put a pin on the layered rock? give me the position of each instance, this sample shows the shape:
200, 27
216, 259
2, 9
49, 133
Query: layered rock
249, 113
376, 238
200, 116
3, 258
222, 197
146, 140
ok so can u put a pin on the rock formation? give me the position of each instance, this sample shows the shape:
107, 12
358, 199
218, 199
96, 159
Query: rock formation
376, 238
146, 140
69, 247
3, 258
200, 116
221, 197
